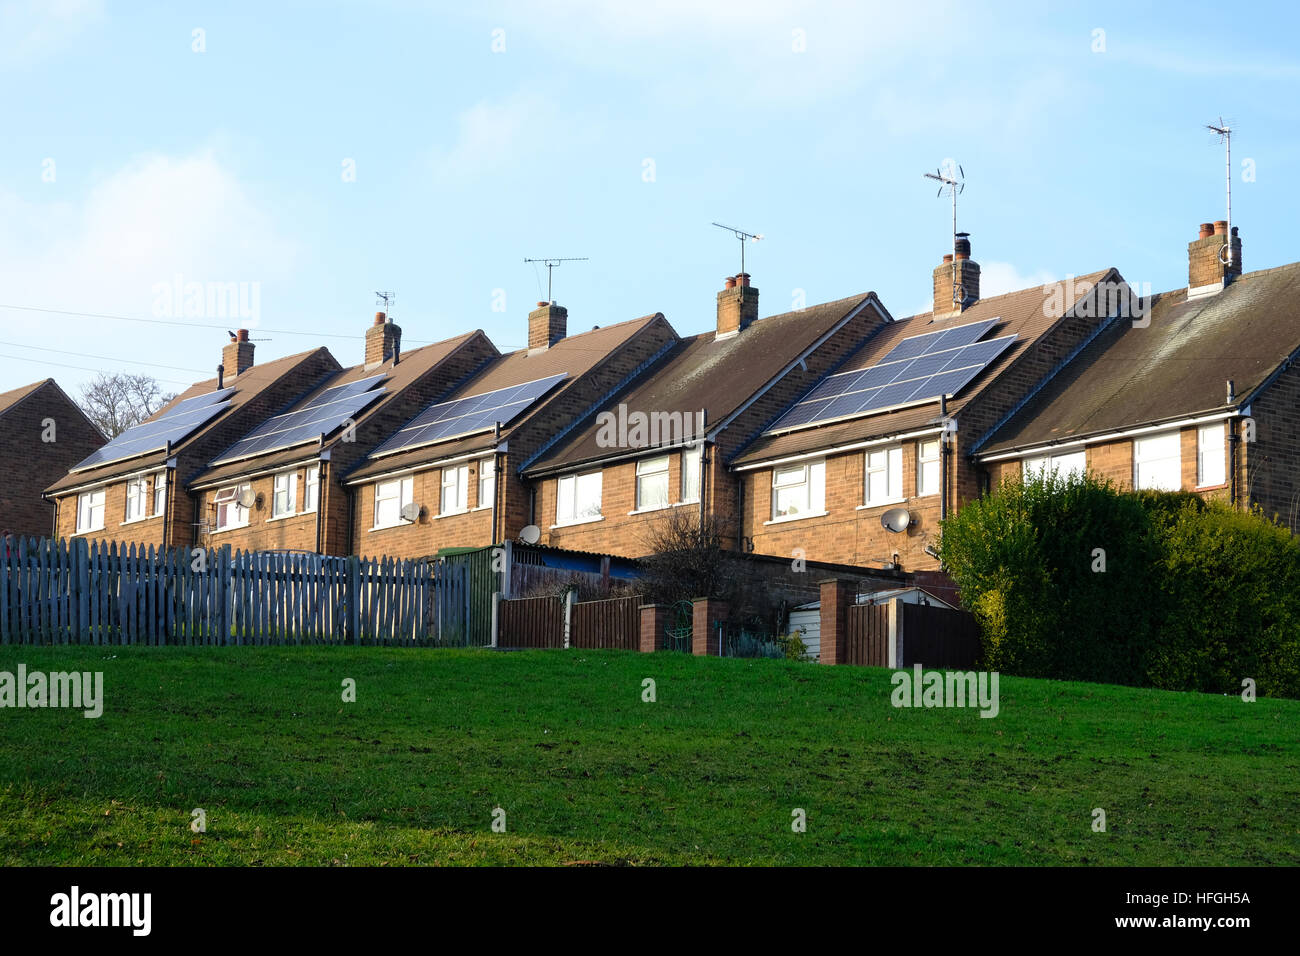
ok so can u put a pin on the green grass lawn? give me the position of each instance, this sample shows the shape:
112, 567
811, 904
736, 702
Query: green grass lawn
586, 771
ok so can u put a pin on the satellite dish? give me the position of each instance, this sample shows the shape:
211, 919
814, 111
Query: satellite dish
896, 520
530, 534
246, 499
410, 511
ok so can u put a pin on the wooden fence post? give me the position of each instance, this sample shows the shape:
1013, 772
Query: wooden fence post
570, 598
496, 616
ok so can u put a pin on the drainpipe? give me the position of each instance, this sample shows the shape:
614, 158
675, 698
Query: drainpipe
498, 486
740, 506
1233, 437
705, 458
943, 459
54, 529
321, 485
170, 465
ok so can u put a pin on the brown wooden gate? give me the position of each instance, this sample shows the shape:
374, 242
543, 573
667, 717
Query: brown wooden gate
938, 637
614, 623
868, 635
531, 622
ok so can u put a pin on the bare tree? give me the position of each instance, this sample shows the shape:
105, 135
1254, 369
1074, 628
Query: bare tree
118, 401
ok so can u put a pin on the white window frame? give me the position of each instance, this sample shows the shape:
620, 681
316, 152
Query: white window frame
887, 463
928, 462
1065, 465
159, 494
135, 508
1211, 447
487, 482
1144, 456
226, 501
692, 464
399, 490
90, 511
803, 486
569, 497
456, 478
311, 489
650, 470
284, 484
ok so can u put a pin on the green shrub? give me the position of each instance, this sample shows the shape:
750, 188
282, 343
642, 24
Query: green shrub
1231, 586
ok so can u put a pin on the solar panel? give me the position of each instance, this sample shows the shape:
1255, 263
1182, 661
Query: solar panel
320, 415
919, 368
179, 421
465, 416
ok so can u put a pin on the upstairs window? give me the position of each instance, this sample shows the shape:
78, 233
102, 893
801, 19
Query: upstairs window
1071, 465
285, 495
578, 498
230, 513
691, 474
652, 483
137, 499
311, 489
390, 498
1157, 462
884, 484
927, 467
90, 511
1211, 457
487, 482
455, 489
160, 493
798, 490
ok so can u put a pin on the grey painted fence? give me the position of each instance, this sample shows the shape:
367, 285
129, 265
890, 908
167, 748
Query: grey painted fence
79, 592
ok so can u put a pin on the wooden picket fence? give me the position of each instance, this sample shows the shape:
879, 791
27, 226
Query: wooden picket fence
540, 622
79, 592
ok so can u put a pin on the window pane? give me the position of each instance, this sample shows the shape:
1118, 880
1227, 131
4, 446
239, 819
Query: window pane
652, 491
691, 475
1157, 462
160, 493
487, 482
1211, 465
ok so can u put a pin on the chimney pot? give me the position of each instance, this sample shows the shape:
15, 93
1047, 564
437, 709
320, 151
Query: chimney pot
1207, 229
243, 335
1221, 227
730, 282
383, 340
947, 258
742, 279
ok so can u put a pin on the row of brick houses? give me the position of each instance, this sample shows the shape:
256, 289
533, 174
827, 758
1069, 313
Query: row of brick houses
798, 433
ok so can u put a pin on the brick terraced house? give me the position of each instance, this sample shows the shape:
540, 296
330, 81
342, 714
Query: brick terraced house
1203, 395
42, 434
289, 465
449, 477
664, 443
894, 426
135, 488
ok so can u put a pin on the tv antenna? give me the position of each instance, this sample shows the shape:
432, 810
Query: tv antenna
386, 299
551, 264
742, 235
955, 183
1224, 132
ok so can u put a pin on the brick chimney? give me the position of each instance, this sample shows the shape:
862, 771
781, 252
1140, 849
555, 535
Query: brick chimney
383, 340
737, 304
547, 324
968, 280
1207, 273
237, 356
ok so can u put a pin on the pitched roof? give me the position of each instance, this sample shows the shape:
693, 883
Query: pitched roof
718, 375
573, 356
411, 366
11, 398
246, 388
1174, 368
1024, 313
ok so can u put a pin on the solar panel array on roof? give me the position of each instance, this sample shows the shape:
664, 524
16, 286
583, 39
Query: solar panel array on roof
181, 420
919, 368
465, 416
321, 415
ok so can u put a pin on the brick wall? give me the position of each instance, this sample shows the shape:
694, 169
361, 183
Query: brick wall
1269, 467
30, 464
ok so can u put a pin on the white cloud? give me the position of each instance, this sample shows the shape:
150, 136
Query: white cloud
157, 218
494, 134
997, 278
30, 30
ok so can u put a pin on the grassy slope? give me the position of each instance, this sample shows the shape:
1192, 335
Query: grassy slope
585, 770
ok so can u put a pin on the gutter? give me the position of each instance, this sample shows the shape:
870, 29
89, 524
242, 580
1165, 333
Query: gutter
1020, 451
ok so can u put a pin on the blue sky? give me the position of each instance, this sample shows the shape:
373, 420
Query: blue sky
617, 131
